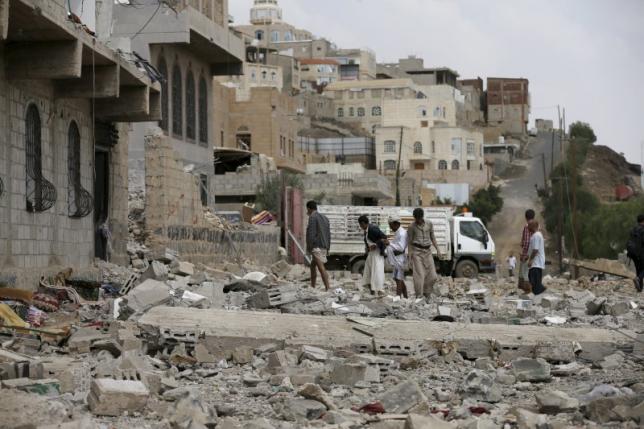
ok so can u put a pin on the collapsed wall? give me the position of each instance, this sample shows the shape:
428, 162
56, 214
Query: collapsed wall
174, 216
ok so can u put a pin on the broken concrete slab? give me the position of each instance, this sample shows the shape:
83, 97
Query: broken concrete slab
348, 374
302, 409
113, 397
555, 402
472, 340
27, 410
402, 397
525, 369
44, 387
148, 294
415, 421
315, 393
184, 269
81, 341
480, 386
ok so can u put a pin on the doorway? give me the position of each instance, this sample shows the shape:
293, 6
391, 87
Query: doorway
101, 203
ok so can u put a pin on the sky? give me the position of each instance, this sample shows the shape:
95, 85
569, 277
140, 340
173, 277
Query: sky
586, 56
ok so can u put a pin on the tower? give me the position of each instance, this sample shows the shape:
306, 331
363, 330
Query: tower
265, 12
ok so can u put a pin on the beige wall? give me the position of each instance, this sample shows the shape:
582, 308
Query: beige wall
320, 74
255, 76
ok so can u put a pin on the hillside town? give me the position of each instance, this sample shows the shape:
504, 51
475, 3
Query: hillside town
209, 224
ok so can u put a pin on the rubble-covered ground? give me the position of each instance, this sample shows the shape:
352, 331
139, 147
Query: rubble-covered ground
90, 362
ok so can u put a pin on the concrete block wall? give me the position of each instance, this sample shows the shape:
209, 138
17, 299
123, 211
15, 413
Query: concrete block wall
32, 244
174, 216
119, 198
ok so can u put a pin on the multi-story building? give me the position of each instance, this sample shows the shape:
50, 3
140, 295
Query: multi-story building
188, 47
63, 149
265, 124
508, 104
355, 64
361, 102
414, 68
268, 28
474, 101
317, 73
256, 75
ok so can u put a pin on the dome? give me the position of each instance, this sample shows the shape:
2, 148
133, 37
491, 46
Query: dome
265, 12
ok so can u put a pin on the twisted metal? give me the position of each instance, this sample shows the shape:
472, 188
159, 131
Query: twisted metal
41, 194
81, 203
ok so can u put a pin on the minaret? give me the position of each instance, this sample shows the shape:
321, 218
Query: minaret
265, 12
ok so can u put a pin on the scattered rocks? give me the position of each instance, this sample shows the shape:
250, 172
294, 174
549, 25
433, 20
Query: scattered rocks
531, 369
555, 402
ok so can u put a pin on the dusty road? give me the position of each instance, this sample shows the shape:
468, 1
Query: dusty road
519, 194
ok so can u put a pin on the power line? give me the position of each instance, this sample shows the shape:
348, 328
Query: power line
148, 21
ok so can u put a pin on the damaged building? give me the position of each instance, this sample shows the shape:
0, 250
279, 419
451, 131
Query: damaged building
63, 146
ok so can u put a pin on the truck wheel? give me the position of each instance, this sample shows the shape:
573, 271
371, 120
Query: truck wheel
467, 269
358, 266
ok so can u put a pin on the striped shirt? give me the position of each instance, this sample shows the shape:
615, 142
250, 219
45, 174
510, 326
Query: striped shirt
525, 242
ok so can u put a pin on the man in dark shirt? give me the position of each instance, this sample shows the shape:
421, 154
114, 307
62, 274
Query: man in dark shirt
318, 242
635, 251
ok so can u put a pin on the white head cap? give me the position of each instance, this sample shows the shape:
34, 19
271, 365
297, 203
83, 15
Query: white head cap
394, 218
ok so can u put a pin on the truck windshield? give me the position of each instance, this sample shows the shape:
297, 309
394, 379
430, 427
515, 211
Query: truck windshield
473, 230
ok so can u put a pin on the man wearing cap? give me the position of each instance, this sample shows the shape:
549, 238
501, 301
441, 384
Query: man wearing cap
420, 237
396, 254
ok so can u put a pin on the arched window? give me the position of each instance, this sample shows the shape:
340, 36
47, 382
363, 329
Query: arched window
273, 76
456, 165
418, 147
259, 35
41, 195
351, 111
79, 201
203, 111
177, 101
422, 111
340, 112
376, 111
433, 146
390, 146
437, 112
163, 70
264, 75
275, 36
389, 164
191, 107
288, 36
442, 165
361, 111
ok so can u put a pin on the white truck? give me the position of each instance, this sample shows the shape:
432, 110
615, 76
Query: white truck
465, 244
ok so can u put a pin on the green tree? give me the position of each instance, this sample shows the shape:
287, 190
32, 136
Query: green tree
269, 191
485, 203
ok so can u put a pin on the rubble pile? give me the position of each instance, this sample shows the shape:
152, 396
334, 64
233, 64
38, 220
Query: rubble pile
169, 344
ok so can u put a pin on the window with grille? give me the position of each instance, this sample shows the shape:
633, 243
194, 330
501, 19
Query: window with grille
41, 194
390, 146
177, 101
389, 164
340, 112
191, 107
1, 188
471, 150
163, 70
418, 147
79, 201
376, 111
203, 111
351, 111
361, 111
456, 165
442, 165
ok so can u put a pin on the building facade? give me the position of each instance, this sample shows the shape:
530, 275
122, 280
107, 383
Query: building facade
414, 68
256, 75
63, 149
317, 73
508, 104
188, 48
362, 102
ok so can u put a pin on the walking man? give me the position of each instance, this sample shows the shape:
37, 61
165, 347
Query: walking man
537, 258
524, 282
420, 237
396, 254
318, 242
635, 251
512, 264
375, 242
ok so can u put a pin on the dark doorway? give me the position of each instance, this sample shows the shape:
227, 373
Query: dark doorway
101, 203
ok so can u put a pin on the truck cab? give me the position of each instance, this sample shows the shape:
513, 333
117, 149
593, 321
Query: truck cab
473, 249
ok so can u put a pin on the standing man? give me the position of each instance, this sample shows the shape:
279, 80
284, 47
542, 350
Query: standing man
420, 237
396, 254
318, 242
635, 251
524, 282
512, 264
375, 242
537, 258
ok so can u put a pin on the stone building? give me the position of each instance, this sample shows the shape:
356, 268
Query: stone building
256, 75
508, 104
265, 124
474, 101
355, 64
188, 48
361, 102
414, 68
63, 149
317, 73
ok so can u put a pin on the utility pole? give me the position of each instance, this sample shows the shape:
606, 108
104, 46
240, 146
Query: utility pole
398, 168
545, 176
552, 153
560, 220
573, 178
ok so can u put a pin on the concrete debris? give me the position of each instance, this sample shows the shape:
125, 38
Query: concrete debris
114, 397
175, 344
